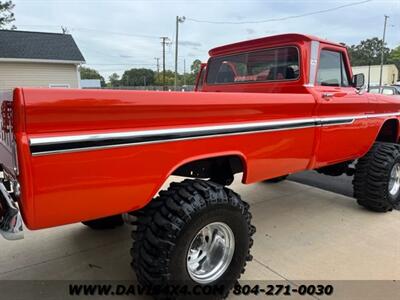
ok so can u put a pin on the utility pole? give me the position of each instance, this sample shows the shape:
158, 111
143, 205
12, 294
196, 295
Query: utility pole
382, 53
184, 71
369, 75
158, 65
178, 20
158, 68
164, 41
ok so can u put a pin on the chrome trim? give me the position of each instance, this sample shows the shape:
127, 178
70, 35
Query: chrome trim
110, 136
394, 180
313, 63
210, 253
40, 146
84, 142
383, 115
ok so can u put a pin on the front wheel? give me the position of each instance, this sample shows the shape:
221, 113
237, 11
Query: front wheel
195, 233
377, 178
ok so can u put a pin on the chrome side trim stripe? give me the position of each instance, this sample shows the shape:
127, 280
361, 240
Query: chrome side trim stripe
61, 144
90, 141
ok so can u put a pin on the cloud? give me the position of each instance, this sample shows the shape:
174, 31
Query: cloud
193, 45
250, 31
153, 19
192, 54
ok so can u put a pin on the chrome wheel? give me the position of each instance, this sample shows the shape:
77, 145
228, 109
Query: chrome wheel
394, 182
210, 252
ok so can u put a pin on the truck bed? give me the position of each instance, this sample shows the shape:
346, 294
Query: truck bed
85, 154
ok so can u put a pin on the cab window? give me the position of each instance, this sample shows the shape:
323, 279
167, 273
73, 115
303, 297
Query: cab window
332, 69
201, 79
259, 66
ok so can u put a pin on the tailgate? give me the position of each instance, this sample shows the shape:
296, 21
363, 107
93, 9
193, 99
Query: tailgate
7, 144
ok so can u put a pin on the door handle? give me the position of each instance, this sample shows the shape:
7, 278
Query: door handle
327, 96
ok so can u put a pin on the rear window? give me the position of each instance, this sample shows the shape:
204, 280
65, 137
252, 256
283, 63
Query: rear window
265, 65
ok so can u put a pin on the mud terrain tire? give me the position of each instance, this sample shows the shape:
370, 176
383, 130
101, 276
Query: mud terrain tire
377, 178
169, 225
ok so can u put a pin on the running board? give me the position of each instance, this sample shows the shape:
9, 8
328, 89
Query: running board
11, 226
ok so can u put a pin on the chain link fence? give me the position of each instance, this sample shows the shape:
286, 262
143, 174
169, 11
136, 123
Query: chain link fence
184, 88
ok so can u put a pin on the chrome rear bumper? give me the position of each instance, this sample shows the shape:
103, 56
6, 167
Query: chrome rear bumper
11, 226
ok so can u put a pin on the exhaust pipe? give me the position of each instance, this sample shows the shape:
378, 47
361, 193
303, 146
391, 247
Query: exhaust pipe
11, 227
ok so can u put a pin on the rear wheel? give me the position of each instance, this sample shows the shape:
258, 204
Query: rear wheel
195, 233
105, 223
377, 178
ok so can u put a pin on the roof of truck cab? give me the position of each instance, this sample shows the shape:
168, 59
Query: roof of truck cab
274, 39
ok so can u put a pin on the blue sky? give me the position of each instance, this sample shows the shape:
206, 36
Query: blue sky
115, 35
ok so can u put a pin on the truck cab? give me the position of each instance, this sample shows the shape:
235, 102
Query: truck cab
288, 63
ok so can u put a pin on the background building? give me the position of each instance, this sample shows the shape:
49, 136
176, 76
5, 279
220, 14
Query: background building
38, 59
389, 75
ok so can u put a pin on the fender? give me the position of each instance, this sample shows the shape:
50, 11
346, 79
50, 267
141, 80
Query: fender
378, 125
196, 158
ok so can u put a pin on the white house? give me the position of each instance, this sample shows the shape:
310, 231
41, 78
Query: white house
38, 59
390, 74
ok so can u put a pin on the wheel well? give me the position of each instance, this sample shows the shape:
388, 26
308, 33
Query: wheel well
219, 168
388, 131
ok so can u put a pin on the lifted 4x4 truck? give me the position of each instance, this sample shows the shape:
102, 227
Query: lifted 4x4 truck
265, 108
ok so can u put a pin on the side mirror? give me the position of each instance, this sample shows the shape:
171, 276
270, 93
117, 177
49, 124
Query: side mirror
358, 80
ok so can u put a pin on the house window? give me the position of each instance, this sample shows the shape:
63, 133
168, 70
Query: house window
59, 85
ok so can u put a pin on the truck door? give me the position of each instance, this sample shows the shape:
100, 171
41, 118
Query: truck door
341, 110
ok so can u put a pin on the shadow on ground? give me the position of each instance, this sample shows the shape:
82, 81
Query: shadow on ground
337, 184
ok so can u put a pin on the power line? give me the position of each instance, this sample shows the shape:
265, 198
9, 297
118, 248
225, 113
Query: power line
281, 18
94, 30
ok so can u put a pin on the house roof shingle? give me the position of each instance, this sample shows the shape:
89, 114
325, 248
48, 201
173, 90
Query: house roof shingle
38, 45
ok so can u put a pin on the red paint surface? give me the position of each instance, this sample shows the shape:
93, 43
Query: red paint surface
70, 187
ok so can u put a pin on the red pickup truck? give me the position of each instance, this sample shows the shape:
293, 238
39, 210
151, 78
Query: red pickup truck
265, 108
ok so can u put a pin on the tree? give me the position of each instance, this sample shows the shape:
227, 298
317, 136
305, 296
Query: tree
114, 80
367, 52
195, 67
88, 73
6, 14
138, 77
394, 58
169, 78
